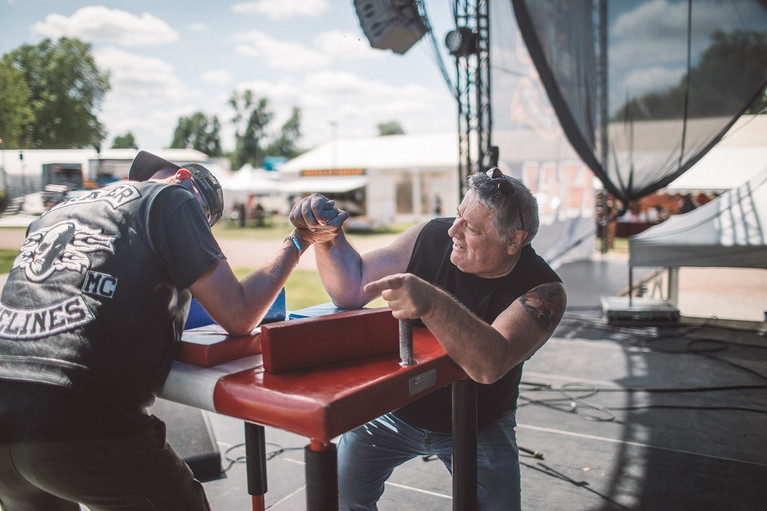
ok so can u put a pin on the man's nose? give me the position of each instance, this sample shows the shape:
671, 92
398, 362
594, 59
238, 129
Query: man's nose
455, 228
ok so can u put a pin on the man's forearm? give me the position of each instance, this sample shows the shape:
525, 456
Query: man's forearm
473, 344
340, 268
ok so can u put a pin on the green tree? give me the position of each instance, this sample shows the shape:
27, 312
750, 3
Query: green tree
250, 120
15, 110
124, 142
286, 144
200, 132
66, 89
390, 128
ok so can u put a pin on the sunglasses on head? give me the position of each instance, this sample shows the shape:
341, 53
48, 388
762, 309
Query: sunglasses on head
507, 189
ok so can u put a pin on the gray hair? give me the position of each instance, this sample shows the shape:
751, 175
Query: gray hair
517, 211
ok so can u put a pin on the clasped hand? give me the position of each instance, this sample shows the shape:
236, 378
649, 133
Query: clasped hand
317, 219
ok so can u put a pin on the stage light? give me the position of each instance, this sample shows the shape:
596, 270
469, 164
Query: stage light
461, 41
390, 24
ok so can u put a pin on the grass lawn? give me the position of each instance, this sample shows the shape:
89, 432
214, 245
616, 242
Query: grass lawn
303, 289
6, 259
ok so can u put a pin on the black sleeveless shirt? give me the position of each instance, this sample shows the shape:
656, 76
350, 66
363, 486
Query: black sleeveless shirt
487, 298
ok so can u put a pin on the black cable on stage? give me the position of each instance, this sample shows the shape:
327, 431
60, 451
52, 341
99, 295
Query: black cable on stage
570, 403
548, 387
692, 346
243, 459
692, 407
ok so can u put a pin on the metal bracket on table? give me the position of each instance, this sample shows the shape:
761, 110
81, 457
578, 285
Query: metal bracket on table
406, 342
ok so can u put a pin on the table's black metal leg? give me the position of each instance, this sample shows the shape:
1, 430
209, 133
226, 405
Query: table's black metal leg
321, 476
464, 445
255, 455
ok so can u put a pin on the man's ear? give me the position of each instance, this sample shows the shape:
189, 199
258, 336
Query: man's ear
183, 175
516, 241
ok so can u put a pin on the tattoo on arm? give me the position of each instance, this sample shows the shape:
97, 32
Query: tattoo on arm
545, 305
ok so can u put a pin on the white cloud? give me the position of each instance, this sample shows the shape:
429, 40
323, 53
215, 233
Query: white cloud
655, 32
359, 104
346, 46
217, 76
652, 19
100, 24
279, 54
283, 9
355, 103
137, 77
662, 18
651, 79
196, 27
152, 128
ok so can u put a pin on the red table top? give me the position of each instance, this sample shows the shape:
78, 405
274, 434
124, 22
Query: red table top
325, 401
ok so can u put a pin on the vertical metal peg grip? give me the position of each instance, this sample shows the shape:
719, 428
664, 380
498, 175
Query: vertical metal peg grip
406, 342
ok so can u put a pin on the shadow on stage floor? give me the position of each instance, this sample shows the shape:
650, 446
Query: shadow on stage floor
640, 418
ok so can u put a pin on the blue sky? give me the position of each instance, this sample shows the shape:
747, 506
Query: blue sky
173, 58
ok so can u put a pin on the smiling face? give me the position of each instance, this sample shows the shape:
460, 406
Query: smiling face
477, 248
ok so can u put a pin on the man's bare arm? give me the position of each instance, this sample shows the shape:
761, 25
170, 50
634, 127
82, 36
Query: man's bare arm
239, 306
344, 271
486, 352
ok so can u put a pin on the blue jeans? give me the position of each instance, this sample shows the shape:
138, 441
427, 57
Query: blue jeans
368, 455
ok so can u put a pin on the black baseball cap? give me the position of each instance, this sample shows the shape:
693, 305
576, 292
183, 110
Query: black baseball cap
146, 164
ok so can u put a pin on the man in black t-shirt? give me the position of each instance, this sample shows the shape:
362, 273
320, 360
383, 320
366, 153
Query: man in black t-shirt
90, 318
476, 283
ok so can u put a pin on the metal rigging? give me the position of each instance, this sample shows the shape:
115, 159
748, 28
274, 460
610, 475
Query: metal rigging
469, 43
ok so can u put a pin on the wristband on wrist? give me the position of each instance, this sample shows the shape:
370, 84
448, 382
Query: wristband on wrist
296, 243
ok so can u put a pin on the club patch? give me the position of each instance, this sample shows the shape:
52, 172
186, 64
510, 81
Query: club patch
43, 321
116, 196
100, 284
62, 247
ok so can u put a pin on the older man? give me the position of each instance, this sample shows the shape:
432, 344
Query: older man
477, 284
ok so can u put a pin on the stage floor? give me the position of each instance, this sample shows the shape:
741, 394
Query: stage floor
638, 418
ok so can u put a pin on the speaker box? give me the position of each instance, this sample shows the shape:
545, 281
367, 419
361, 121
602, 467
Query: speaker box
639, 311
390, 24
191, 436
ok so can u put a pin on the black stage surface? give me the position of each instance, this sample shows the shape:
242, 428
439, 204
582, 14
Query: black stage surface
639, 418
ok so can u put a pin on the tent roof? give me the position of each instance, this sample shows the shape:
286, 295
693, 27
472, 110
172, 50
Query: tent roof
728, 231
254, 180
18, 161
324, 184
389, 152
738, 157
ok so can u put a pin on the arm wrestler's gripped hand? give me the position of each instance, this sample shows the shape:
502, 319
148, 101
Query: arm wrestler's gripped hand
408, 296
317, 219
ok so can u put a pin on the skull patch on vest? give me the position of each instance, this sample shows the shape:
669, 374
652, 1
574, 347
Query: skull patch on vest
62, 247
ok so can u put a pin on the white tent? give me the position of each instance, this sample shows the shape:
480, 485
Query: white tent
249, 181
728, 231
742, 152
255, 181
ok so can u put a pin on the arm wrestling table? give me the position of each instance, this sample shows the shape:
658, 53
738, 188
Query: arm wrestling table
268, 379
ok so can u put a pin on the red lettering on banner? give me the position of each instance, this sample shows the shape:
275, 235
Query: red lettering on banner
530, 175
563, 189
